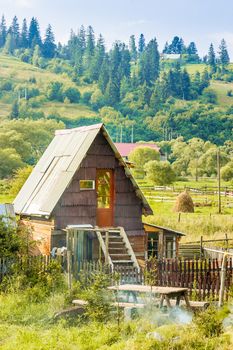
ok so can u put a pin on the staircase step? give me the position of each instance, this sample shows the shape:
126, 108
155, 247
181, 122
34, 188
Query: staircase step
122, 254
122, 261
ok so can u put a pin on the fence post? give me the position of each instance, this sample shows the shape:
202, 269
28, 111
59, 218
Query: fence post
201, 246
223, 277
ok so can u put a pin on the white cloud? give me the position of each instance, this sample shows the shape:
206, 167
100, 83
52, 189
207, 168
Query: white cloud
217, 37
136, 22
19, 3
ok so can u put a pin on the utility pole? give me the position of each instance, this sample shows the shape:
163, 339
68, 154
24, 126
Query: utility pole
132, 134
219, 182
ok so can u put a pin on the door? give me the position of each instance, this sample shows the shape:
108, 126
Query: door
105, 197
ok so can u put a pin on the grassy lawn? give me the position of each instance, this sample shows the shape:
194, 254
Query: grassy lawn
29, 325
193, 68
221, 89
18, 72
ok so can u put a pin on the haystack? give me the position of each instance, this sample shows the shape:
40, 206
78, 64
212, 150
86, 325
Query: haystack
184, 203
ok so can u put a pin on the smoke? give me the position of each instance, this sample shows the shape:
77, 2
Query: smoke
160, 317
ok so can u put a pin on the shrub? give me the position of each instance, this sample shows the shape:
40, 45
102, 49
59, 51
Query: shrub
54, 91
19, 179
72, 93
86, 96
159, 172
209, 322
227, 172
6, 85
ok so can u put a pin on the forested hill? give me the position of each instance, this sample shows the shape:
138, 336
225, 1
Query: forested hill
141, 93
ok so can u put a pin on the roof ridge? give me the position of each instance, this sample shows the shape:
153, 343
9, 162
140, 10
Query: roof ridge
80, 128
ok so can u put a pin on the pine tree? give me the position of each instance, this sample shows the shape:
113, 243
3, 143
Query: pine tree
14, 29
133, 48
185, 85
82, 39
14, 110
98, 58
104, 74
9, 44
90, 44
192, 49
34, 37
141, 44
24, 35
49, 46
112, 93
223, 54
211, 58
166, 48
3, 31
149, 63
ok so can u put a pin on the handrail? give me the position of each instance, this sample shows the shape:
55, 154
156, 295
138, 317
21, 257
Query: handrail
103, 247
129, 247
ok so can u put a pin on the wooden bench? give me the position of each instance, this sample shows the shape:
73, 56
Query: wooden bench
194, 305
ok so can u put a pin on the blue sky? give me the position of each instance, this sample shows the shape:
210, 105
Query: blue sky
195, 20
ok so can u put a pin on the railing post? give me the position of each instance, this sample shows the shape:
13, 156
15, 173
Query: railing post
107, 246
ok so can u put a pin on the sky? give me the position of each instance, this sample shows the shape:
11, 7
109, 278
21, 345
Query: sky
202, 21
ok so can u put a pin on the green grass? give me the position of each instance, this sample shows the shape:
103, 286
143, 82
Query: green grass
27, 325
221, 88
18, 72
193, 68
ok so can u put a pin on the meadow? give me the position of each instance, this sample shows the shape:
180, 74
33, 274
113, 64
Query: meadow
27, 322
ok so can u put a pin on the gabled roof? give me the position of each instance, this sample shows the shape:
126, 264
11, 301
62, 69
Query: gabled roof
126, 148
165, 229
56, 168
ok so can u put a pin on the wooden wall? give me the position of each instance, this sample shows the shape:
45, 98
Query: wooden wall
79, 207
39, 231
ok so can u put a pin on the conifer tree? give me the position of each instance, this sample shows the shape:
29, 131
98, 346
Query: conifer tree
149, 63
98, 58
104, 74
90, 44
133, 48
223, 54
82, 39
211, 58
49, 43
14, 30
141, 44
3, 31
34, 37
14, 110
24, 35
9, 44
166, 48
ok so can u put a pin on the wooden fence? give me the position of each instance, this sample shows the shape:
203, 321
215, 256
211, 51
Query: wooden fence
200, 276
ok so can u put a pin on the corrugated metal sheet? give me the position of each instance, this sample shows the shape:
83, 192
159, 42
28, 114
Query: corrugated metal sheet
56, 168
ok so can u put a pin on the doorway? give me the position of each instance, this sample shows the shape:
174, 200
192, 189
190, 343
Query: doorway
105, 197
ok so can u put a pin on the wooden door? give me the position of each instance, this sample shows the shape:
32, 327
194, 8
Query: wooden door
105, 197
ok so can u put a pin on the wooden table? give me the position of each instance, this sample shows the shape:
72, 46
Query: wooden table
165, 293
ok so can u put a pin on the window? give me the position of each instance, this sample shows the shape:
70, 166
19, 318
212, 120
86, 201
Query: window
104, 189
170, 247
86, 185
152, 245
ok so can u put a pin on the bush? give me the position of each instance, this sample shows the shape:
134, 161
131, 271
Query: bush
6, 85
19, 179
209, 96
72, 93
86, 96
54, 91
227, 172
209, 322
159, 172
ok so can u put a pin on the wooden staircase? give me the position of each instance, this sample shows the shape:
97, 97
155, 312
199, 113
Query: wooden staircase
116, 247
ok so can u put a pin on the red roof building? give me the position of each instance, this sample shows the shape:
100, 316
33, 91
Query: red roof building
125, 148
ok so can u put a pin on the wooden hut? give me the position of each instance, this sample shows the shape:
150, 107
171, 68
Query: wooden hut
82, 185
162, 242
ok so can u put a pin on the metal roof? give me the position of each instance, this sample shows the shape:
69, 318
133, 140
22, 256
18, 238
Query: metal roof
56, 168
126, 148
165, 229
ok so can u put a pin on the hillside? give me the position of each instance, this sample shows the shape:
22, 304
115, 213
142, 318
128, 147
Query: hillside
21, 74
